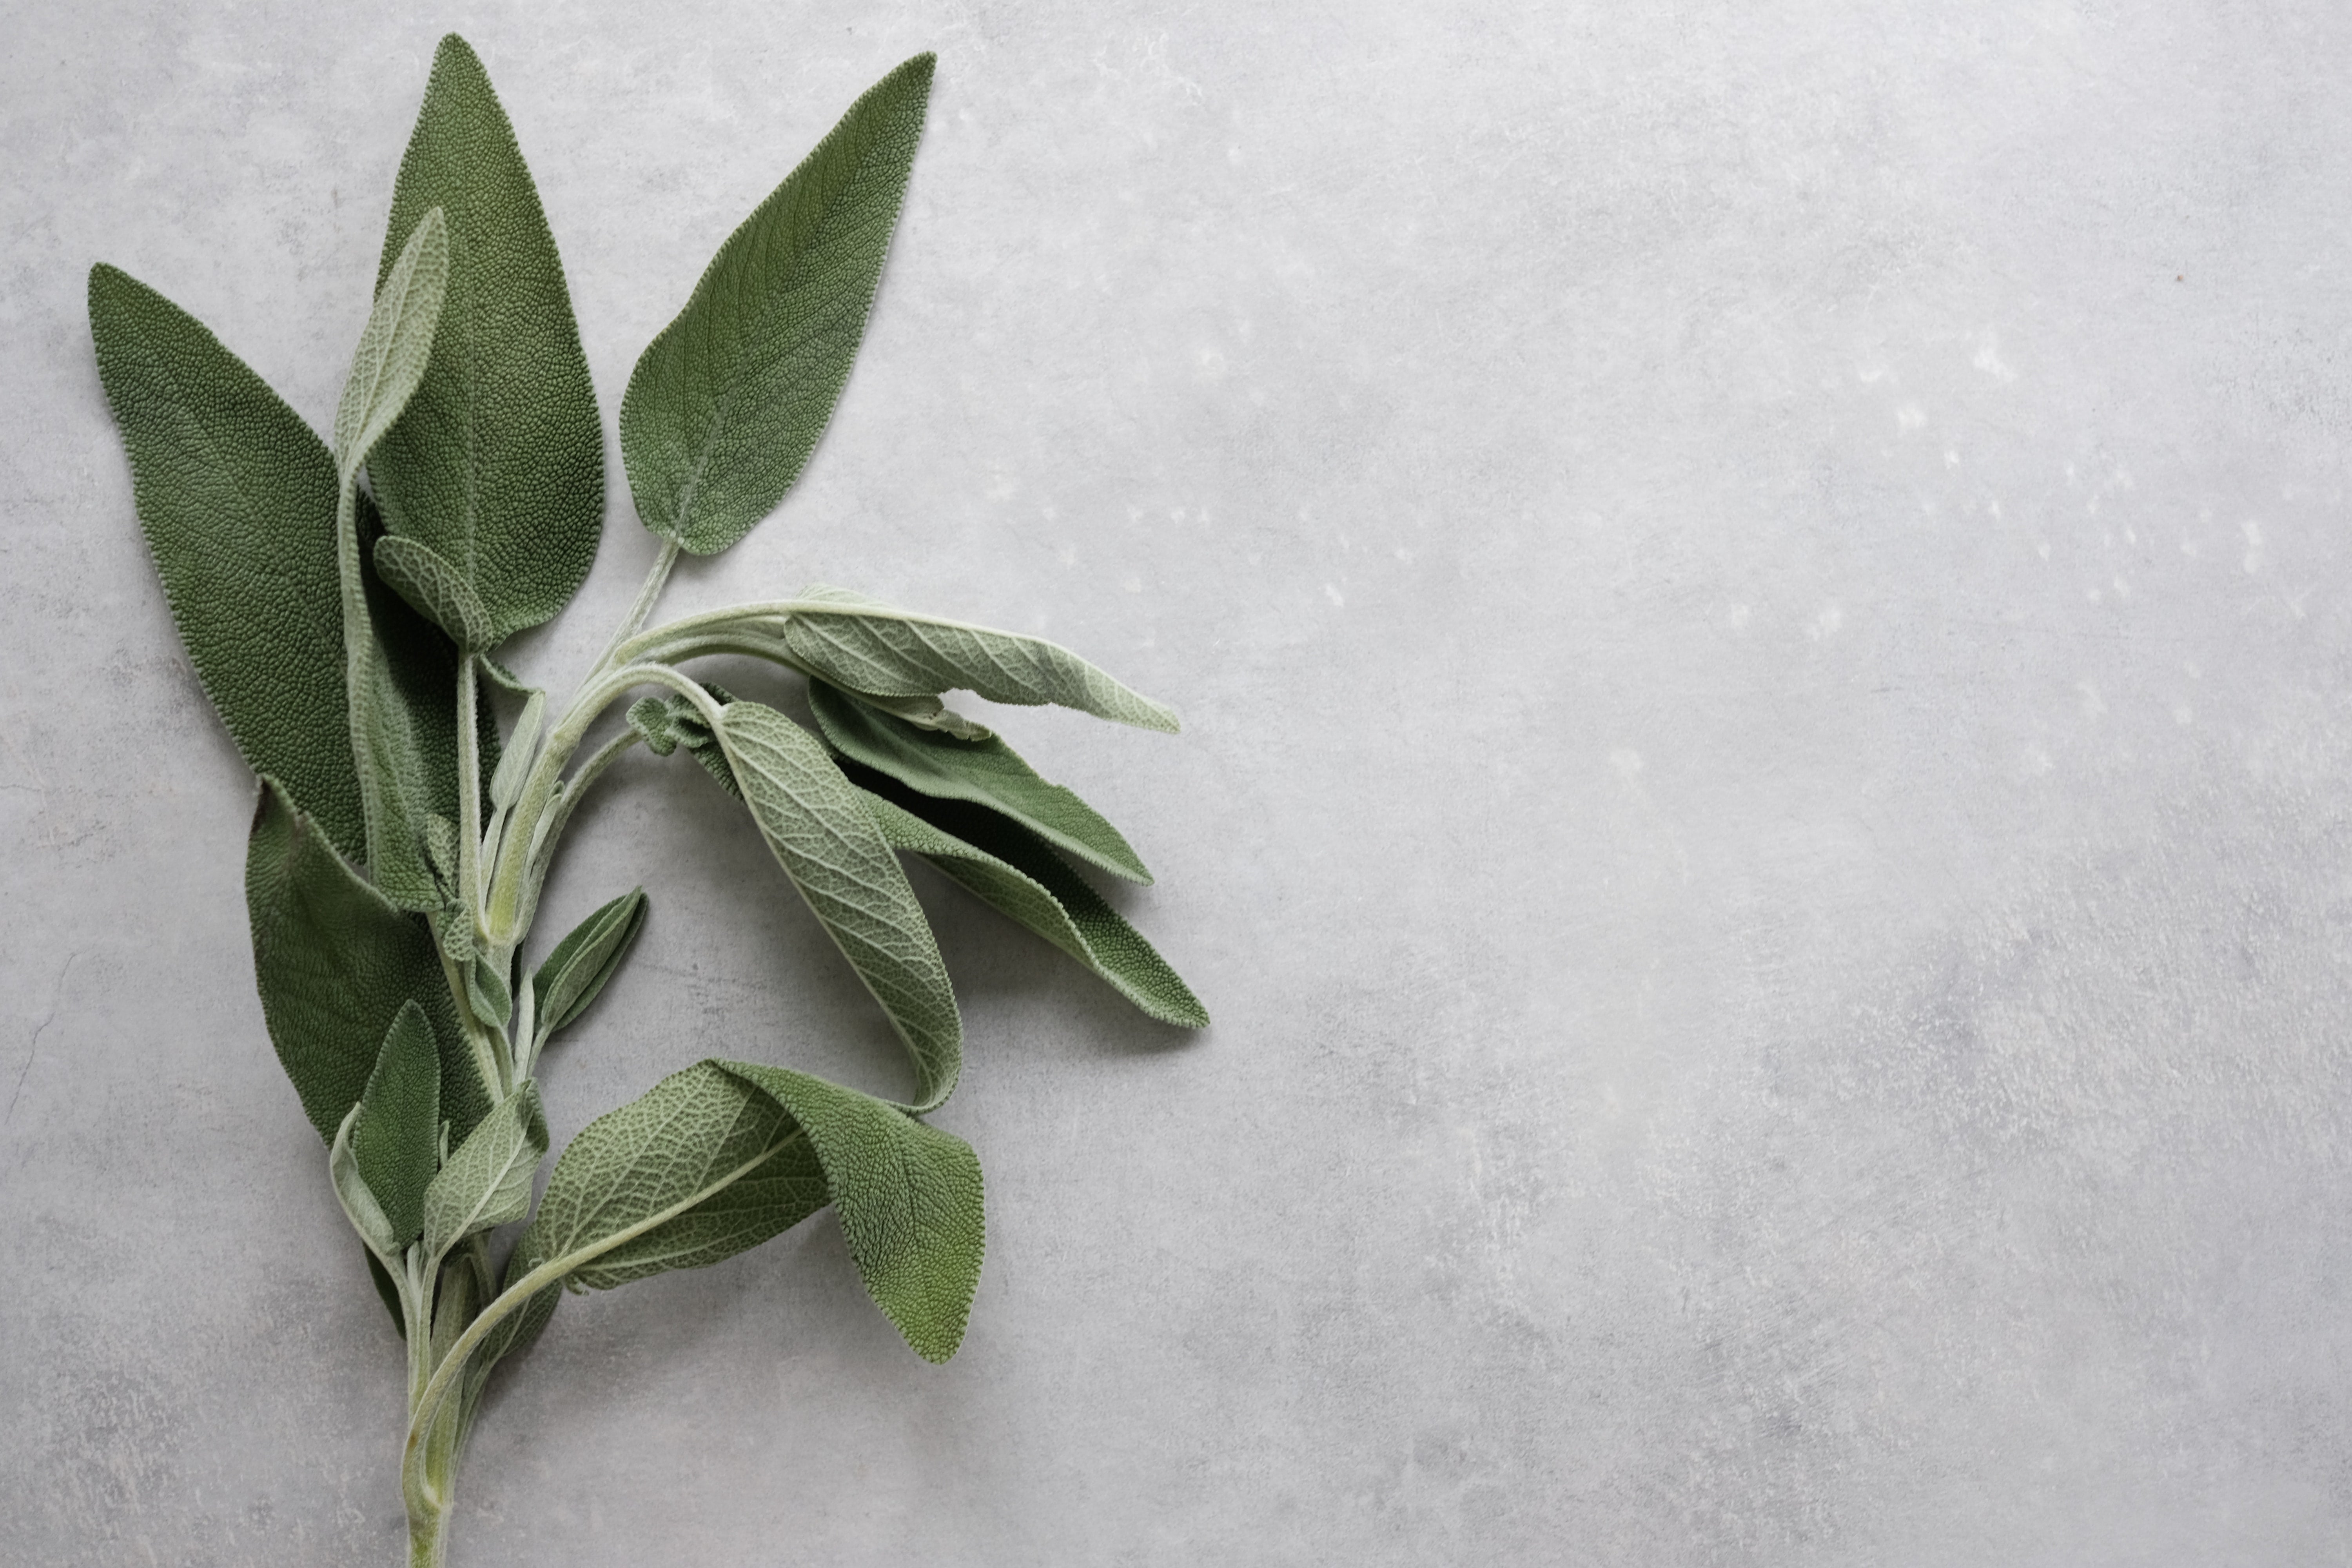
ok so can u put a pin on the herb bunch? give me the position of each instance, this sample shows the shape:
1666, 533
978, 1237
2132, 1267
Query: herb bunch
342, 602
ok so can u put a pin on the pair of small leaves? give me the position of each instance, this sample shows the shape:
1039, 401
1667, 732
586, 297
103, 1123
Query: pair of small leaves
720, 1157
388, 1148
873, 649
581, 965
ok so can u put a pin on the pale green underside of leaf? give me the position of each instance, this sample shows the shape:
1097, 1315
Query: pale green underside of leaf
396, 1137
586, 959
395, 344
488, 1180
865, 646
434, 589
828, 844
335, 964
987, 772
642, 1189
726, 405
1024, 880
236, 498
498, 464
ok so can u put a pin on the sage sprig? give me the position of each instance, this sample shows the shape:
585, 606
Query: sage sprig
342, 602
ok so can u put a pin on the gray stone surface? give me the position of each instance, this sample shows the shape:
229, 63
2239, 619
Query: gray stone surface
1762, 600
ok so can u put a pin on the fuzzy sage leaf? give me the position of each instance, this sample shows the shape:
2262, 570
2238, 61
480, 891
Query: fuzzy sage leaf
390, 360
236, 498
498, 465
827, 843
395, 1132
488, 1180
865, 646
726, 405
986, 772
585, 959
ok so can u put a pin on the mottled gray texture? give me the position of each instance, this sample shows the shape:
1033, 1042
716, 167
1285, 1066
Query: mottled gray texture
1762, 601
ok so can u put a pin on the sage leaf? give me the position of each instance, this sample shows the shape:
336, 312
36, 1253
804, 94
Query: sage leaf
395, 345
1019, 875
435, 589
498, 464
986, 773
521, 751
585, 959
488, 1180
335, 964
627, 1195
865, 646
395, 1131
236, 498
360, 1205
489, 992
829, 846
403, 729
910, 1199
727, 402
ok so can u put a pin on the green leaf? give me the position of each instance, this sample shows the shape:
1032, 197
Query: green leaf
986, 773
726, 405
865, 646
828, 844
909, 1198
646, 1187
390, 360
359, 1200
435, 589
396, 1136
236, 498
488, 990
498, 465
585, 959
487, 1182
723, 1156
1019, 875
335, 964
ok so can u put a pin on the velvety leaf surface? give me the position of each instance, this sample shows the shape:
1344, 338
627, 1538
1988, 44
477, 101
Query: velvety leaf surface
1019, 875
498, 464
335, 963
236, 497
585, 959
396, 1138
396, 343
865, 646
726, 405
621, 1197
909, 1198
986, 773
828, 844
489, 1177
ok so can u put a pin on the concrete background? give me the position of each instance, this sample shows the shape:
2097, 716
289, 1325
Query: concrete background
1762, 601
